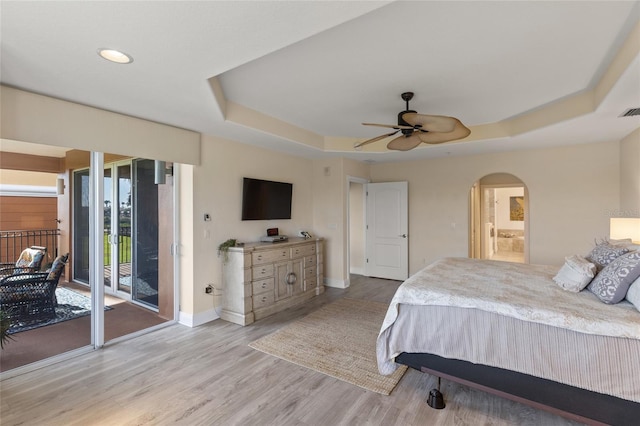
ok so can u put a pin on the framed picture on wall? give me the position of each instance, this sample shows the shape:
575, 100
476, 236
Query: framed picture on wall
516, 208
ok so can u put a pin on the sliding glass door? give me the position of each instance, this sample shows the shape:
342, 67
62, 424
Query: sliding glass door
138, 233
145, 235
117, 229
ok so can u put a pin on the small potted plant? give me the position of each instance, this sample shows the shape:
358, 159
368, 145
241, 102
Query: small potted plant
223, 248
5, 324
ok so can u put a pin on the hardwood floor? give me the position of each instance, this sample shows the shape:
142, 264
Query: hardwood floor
210, 376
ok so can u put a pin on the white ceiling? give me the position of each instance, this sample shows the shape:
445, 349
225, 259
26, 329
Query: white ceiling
328, 66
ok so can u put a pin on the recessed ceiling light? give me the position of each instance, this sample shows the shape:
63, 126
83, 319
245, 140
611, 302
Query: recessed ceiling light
115, 56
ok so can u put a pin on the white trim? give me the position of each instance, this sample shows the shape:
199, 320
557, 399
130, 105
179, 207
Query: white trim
96, 247
331, 282
176, 241
191, 320
347, 202
9, 190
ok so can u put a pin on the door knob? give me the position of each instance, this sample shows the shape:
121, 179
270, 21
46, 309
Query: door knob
403, 235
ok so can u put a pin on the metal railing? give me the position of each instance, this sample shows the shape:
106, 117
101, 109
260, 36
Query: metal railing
124, 245
13, 242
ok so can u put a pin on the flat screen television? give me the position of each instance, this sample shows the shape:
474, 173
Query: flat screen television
265, 199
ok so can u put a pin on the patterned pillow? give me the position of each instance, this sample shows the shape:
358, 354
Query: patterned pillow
576, 273
57, 266
633, 294
611, 284
605, 253
29, 259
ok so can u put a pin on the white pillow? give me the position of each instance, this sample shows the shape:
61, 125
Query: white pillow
576, 273
633, 294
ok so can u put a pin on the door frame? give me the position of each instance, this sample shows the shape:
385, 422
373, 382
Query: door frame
475, 213
349, 181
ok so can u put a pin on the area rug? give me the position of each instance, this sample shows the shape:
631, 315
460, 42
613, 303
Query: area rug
71, 305
338, 340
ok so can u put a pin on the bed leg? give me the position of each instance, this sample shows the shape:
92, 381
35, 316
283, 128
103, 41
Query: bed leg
436, 400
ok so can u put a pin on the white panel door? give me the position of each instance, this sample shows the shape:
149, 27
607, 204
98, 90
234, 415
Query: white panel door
387, 250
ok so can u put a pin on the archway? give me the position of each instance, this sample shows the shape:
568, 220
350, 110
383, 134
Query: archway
499, 218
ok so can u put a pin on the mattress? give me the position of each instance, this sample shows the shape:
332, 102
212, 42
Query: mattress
515, 317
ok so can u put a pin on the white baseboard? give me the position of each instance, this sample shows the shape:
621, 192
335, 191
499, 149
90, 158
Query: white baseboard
330, 282
191, 320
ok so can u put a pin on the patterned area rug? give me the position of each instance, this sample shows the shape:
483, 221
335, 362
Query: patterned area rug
338, 340
71, 305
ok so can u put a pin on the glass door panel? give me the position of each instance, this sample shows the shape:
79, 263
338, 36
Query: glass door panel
108, 207
145, 241
123, 254
80, 259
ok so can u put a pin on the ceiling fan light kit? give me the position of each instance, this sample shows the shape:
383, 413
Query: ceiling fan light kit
419, 128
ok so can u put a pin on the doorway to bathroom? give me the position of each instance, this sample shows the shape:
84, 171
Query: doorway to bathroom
499, 219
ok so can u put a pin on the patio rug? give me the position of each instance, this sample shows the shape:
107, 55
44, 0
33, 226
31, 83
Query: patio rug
338, 340
71, 305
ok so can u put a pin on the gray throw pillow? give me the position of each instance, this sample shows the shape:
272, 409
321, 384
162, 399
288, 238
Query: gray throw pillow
605, 253
611, 284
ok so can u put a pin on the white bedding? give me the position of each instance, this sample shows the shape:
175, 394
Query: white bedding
528, 295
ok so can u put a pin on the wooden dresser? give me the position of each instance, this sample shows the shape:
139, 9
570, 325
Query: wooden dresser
261, 279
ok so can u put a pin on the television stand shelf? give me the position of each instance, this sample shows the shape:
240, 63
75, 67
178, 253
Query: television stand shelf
263, 278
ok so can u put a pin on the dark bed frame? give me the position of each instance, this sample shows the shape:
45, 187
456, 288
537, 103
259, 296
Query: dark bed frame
568, 401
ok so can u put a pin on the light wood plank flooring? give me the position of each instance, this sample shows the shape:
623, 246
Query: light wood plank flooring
209, 376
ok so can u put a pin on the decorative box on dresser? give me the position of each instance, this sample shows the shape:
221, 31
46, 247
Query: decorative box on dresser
261, 279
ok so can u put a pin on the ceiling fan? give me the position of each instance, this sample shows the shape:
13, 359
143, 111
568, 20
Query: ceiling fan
418, 128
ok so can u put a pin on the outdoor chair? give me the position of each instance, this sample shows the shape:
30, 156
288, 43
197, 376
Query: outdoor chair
31, 297
30, 260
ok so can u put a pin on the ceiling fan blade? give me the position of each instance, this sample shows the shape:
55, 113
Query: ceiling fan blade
391, 126
431, 123
405, 143
460, 131
376, 139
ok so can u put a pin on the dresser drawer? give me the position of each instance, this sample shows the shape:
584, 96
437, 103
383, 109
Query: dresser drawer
263, 286
263, 300
304, 250
310, 272
263, 271
269, 256
310, 261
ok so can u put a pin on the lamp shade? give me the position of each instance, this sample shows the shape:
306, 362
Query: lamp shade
621, 228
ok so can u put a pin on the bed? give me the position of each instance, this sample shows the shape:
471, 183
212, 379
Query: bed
509, 329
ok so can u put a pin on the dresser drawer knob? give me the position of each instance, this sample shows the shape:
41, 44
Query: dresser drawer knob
264, 299
264, 285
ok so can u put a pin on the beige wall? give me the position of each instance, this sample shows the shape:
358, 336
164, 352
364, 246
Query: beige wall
217, 189
572, 192
28, 117
630, 175
331, 190
21, 177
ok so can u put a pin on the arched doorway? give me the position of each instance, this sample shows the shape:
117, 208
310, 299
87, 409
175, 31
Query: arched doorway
499, 219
